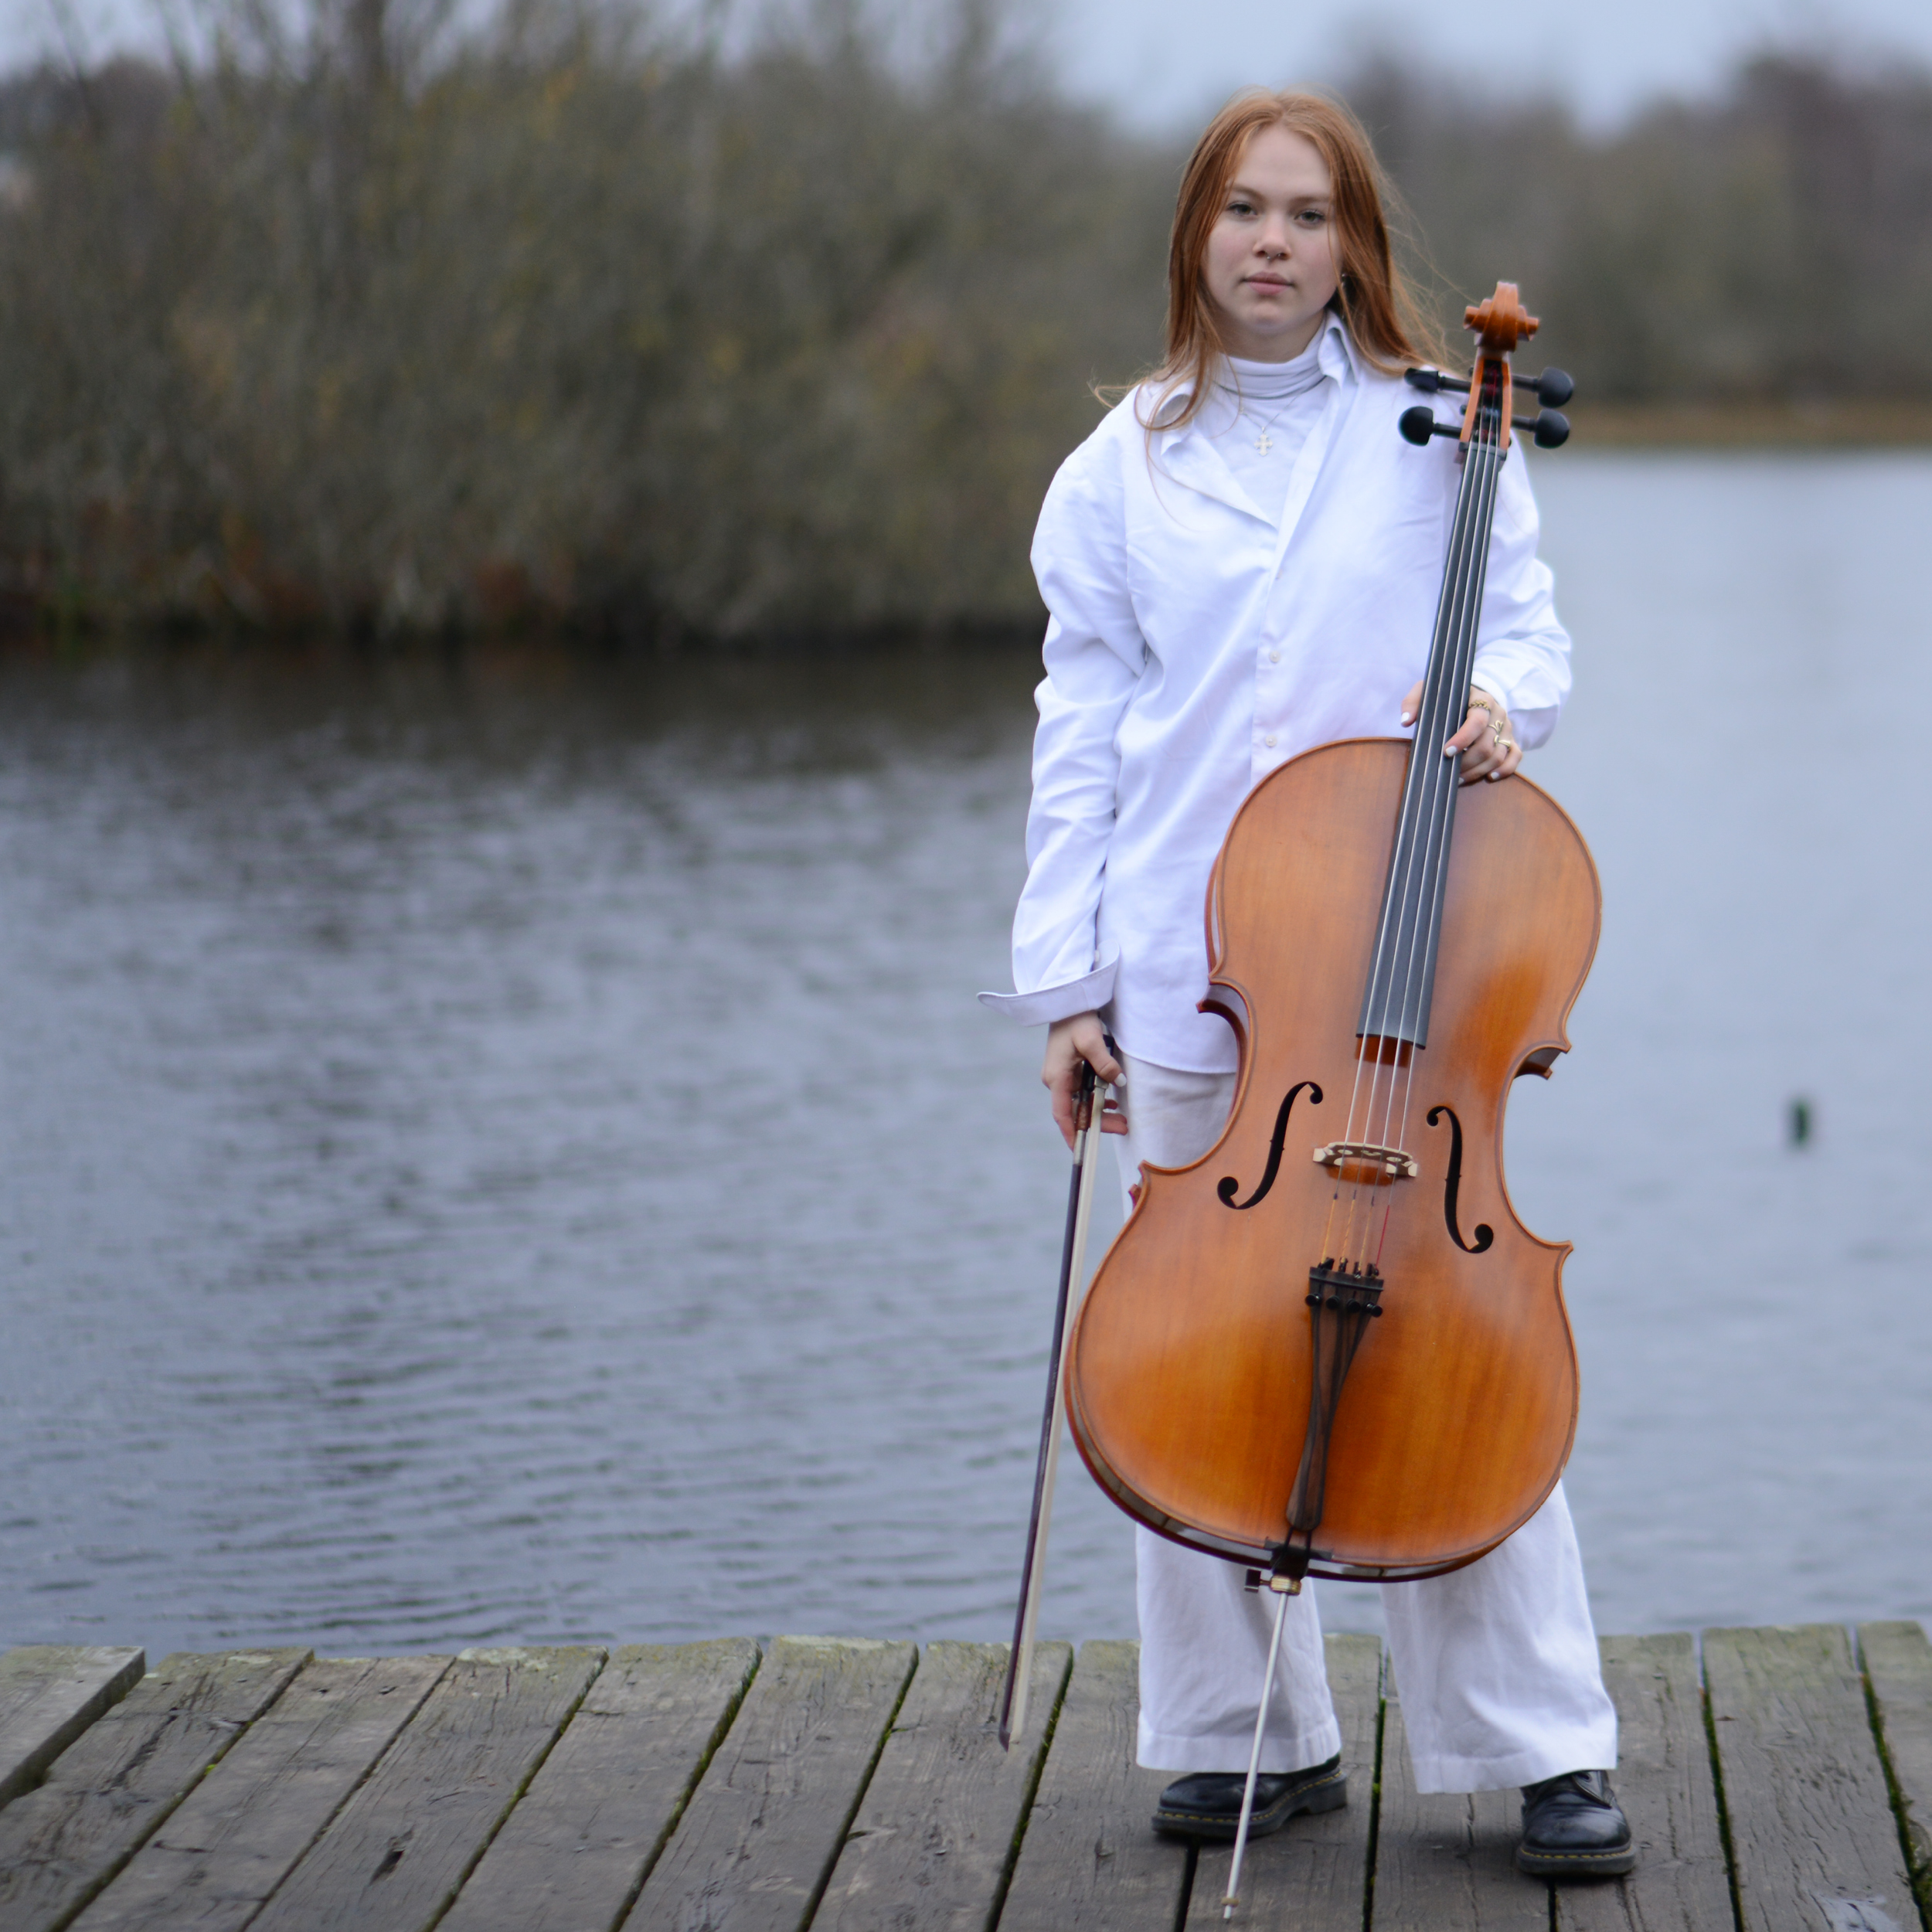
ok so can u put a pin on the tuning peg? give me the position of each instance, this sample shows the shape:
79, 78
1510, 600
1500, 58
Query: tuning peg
1550, 428
1553, 388
1420, 423
1429, 380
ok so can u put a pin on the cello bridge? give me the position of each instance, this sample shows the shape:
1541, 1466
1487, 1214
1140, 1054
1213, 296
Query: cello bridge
1360, 1161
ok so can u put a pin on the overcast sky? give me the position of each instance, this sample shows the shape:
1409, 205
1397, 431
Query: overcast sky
1165, 64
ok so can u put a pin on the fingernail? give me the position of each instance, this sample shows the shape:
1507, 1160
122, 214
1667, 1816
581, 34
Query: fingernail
1408, 717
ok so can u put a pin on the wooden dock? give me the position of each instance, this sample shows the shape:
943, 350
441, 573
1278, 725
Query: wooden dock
1785, 1783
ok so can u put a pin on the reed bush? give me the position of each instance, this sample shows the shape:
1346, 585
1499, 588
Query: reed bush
570, 322
583, 327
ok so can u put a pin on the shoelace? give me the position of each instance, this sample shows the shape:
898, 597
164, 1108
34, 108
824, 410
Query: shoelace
1592, 1786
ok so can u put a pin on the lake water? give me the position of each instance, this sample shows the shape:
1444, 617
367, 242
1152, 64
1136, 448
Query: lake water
503, 1147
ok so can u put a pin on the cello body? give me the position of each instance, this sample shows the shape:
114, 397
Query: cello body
1191, 1363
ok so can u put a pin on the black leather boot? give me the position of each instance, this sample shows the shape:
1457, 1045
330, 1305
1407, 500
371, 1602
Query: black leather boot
1572, 1827
1208, 1805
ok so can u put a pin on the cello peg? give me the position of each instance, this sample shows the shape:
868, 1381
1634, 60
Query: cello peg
1417, 425
1553, 388
1550, 428
1430, 380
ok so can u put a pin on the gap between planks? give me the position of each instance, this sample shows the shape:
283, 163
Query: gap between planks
856, 1785
50, 1693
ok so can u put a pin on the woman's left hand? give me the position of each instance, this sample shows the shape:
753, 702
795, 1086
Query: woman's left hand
1488, 749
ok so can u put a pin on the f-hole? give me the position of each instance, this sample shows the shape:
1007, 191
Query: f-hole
1485, 1233
1229, 1186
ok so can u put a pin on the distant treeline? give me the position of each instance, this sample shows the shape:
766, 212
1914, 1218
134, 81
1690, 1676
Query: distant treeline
578, 326
1770, 246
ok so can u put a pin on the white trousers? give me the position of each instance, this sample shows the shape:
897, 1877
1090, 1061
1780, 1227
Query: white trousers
1496, 1664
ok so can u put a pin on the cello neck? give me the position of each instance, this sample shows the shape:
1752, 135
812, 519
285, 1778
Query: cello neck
1396, 1002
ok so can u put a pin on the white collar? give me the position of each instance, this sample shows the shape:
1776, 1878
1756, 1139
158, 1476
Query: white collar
1337, 355
1245, 382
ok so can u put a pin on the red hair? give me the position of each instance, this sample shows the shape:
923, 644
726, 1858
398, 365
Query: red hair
1375, 299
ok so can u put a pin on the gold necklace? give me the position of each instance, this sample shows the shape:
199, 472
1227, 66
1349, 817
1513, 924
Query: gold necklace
1265, 442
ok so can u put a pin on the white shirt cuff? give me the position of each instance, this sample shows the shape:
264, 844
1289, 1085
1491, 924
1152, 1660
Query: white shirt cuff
1485, 677
1050, 1003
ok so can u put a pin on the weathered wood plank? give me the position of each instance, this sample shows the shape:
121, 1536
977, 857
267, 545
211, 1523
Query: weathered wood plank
1313, 1875
1898, 1665
400, 1848
571, 1856
1665, 1784
1090, 1857
121, 1778
757, 1840
930, 1845
1811, 1826
50, 1693
238, 1833
1445, 1863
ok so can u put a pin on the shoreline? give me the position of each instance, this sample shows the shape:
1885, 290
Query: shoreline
1870, 423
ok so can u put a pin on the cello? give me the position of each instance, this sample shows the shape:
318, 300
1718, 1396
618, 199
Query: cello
1328, 1346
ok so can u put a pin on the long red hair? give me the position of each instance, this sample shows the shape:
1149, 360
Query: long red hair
1391, 328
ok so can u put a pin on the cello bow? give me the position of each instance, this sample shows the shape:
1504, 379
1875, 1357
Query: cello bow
1088, 1107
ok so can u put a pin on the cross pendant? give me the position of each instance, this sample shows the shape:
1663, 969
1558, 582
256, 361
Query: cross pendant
1264, 442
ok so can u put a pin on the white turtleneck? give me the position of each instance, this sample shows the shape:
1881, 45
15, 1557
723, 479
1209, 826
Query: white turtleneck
1279, 402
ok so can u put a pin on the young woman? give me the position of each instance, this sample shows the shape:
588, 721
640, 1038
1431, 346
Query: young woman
1242, 562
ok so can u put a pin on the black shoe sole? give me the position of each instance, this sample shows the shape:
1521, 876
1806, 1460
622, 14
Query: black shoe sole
1328, 1793
1610, 1864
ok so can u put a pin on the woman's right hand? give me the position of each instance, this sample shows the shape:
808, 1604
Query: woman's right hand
1068, 1042
1484, 744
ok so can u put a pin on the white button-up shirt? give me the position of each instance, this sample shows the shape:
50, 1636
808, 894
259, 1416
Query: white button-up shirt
1194, 644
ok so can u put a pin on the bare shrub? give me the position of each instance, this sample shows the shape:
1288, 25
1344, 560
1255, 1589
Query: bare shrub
570, 321
581, 325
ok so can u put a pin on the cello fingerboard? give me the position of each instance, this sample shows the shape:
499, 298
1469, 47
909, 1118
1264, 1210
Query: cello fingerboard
1394, 1004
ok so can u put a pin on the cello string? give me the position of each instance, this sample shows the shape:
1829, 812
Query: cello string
1389, 939
1445, 773
1494, 457
1437, 721
1389, 931
1445, 776
1397, 939
1411, 913
1485, 460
